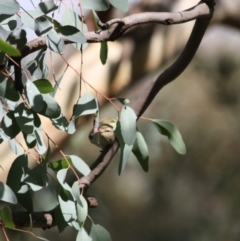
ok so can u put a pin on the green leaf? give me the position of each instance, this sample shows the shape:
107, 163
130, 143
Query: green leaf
9, 125
17, 172
97, 5
168, 129
6, 194
24, 118
51, 108
44, 86
8, 48
54, 42
80, 165
73, 34
60, 164
104, 52
6, 217
9, 7
7, 89
34, 97
83, 236
120, 4
99, 233
42, 25
18, 37
140, 150
128, 125
47, 7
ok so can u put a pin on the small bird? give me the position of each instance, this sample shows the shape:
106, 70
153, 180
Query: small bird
104, 135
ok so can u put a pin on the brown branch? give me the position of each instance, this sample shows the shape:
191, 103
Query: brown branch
115, 28
202, 12
153, 88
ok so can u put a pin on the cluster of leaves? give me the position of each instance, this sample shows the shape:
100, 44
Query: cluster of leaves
21, 115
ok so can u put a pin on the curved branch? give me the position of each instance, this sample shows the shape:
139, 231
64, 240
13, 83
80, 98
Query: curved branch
152, 89
115, 28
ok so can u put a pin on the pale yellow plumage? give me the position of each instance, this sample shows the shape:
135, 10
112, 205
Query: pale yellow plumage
105, 134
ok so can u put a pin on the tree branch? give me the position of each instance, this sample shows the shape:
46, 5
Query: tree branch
149, 93
115, 28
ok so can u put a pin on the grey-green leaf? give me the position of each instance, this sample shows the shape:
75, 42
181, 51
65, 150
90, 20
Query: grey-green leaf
51, 108
140, 150
7, 88
34, 97
128, 125
15, 147
6, 194
54, 42
83, 236
80, 165
72, 34
24, 118
9, 125
97, 5
99, 233
40, 144
168, 129
120, 4
47, 7
124, 156
42, 25
9, 7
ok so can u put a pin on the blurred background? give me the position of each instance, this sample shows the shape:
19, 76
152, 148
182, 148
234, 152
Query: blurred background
195, 197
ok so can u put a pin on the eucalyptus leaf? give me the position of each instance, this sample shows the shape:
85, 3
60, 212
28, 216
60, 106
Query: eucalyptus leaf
140, 150
97, 5
68, 209
34, 97
168, 129
9, 49
17, 172
9, 125
47, 7
6, 194
7, 89
82, 210
128, 120
72, 34
104, 52
61, 123
83, 236
9, 7
6, 217
120, 4
54, 42
99, 233
80, 165
124, 156
42, 25
40, 144
44, 86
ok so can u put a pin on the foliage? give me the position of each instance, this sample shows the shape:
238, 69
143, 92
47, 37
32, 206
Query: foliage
20, 113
